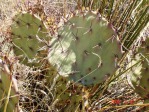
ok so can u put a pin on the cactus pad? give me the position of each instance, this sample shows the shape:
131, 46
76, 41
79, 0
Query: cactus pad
69, 97
29, 36
139, 74
86, 49
5, 82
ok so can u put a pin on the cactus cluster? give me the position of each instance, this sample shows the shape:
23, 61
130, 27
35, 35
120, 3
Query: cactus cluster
9, 96
29, 36
83, 54
86, 49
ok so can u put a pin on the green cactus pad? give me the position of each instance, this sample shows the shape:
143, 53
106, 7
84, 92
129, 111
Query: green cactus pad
61, 85
50, 74
86, 49
4, 88
138, 76
29, 36
68, 96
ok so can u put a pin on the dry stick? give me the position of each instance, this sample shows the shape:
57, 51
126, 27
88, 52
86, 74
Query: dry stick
147, 104
90, 7
64, 8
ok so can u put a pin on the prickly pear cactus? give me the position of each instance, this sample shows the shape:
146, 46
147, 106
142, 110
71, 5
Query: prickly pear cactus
86, 49
50, 74
29, 36
5, 87
69, 98
139, 74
